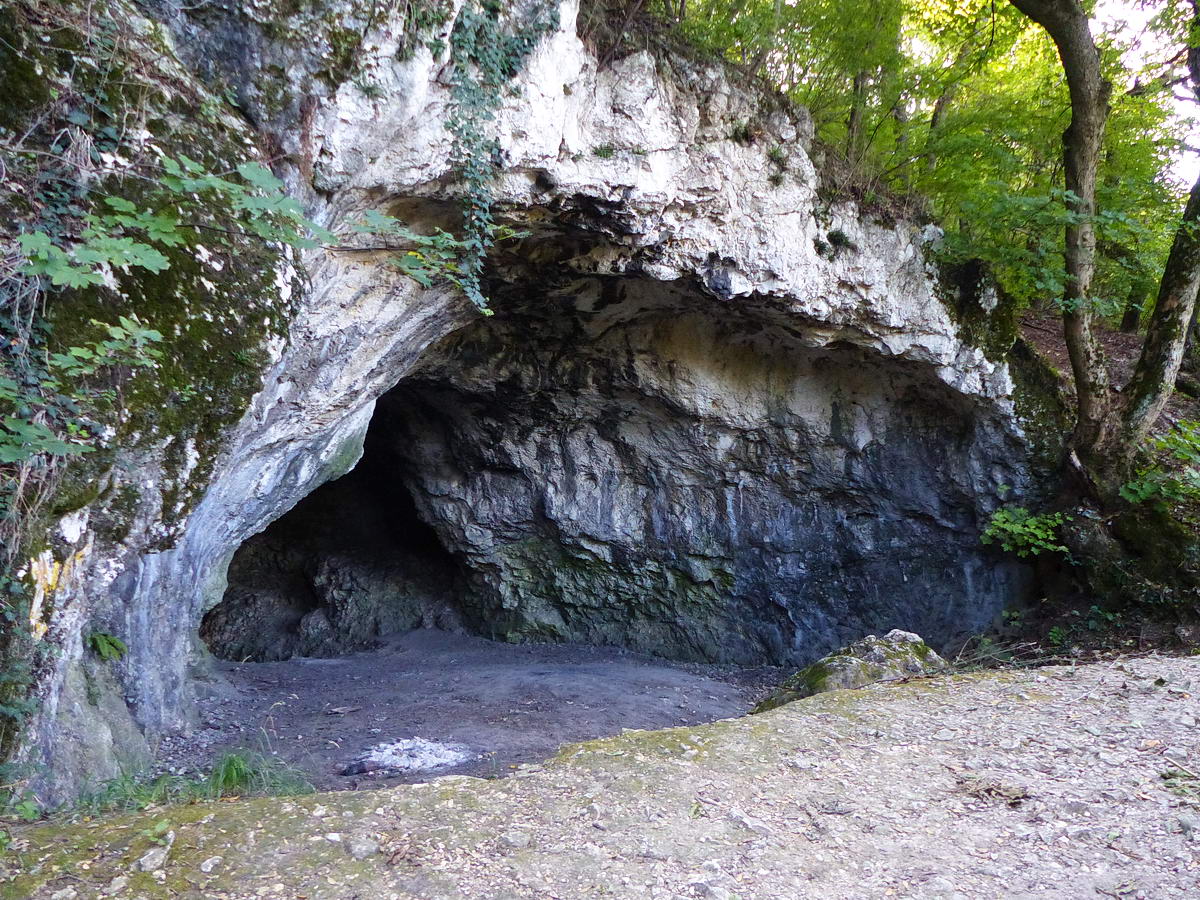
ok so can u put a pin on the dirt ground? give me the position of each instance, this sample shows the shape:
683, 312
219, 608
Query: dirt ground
1066, 782
509, 704
1044, 331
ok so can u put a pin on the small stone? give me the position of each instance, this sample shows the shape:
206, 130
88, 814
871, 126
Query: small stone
154, 858
334, 837
209, 864
714, 891
360, 846
748, 822
116, 886
515, 840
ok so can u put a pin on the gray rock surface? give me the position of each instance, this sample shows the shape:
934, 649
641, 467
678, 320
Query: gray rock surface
898, 654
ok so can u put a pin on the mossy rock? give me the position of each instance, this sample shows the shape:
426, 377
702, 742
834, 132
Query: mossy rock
898, 654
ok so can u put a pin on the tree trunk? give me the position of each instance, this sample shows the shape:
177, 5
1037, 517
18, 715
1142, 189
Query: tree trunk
942, 105
1132, 317
1067, 24
769, 45
854, 125
1191, 351
900, 117
1139, 286
1174, 311
1167, 333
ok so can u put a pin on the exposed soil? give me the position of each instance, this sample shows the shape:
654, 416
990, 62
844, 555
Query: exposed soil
1064, 782
509, 704
1044, 332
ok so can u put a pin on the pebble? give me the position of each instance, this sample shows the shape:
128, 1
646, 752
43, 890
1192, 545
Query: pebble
154, 858
361, 846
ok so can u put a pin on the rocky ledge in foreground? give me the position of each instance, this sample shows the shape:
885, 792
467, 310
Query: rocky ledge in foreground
1060, 782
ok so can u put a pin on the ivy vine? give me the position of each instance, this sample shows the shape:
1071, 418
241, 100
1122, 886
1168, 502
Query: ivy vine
485, 58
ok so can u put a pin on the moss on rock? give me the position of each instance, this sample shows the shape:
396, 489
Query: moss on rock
899, 654
985, 317
219, 302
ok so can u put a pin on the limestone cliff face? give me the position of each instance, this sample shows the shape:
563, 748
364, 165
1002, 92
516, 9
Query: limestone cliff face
714, 416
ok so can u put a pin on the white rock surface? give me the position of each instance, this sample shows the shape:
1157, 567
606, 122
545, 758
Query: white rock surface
412, 755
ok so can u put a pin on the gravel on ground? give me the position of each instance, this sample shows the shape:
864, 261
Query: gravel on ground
1061, 782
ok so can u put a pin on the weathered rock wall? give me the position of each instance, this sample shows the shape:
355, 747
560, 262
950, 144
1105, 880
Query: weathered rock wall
627, 462
718, 429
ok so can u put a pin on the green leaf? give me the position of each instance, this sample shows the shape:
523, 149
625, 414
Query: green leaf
34, 243
260, 176
120, 204
72, 277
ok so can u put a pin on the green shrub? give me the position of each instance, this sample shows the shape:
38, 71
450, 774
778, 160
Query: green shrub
839, 240
742, 133
1019, 531
1178, 483
233, 774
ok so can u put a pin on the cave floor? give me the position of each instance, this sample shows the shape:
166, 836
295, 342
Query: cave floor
506, 704
1062, 782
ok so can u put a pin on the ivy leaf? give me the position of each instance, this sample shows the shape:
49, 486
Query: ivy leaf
260, 176
120, 204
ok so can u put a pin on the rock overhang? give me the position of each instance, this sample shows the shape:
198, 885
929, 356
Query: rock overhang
679, 208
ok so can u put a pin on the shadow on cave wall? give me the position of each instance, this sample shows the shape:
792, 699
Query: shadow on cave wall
350, 564
625, 464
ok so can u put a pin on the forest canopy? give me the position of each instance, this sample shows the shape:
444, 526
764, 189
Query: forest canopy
964, 104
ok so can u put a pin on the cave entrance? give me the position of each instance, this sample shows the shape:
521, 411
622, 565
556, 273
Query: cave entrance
348, 566
617, 463
357, 648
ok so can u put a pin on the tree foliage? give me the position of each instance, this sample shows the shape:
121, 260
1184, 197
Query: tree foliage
1042, 134
964, 104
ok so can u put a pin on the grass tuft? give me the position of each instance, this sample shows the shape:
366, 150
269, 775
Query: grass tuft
232, 775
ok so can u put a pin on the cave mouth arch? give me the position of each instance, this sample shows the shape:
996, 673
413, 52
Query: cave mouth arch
618, 461
351, 564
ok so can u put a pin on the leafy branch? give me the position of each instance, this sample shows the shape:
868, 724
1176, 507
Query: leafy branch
1019, 531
